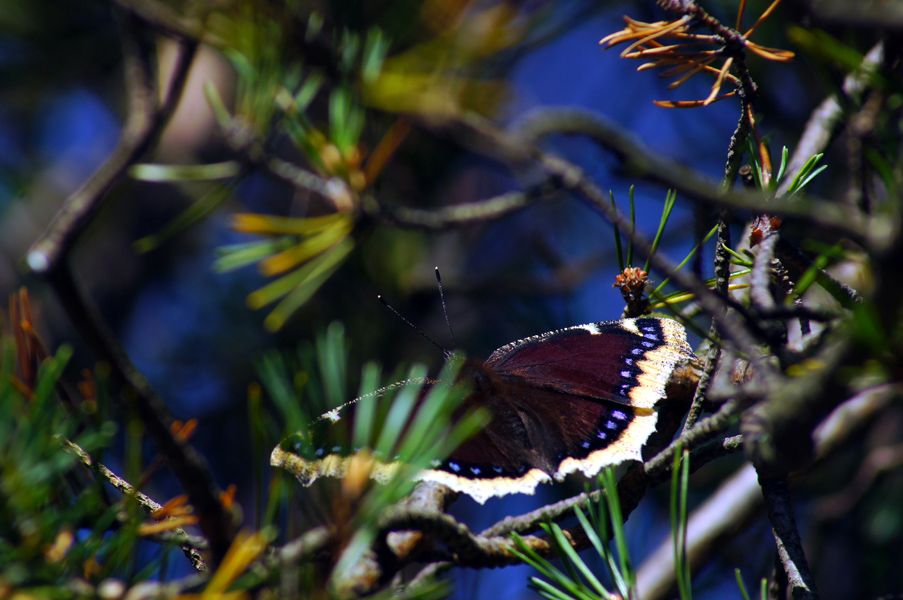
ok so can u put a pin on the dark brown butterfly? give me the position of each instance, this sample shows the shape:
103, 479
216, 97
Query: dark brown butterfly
576, 399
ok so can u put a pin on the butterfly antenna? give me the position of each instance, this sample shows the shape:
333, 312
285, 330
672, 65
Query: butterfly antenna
444, 309
412, 326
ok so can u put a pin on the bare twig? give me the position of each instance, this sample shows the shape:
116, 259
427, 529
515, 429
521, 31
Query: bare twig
790, 547
722, 279
143, 125
641, 161
531, 521
737, 148
797, 263
188, 544
309, 543
825, 120
303, 179
760, 278
460, 215
722, 262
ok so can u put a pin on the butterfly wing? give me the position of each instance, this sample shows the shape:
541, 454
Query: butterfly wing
626, 362
537, 434
577, 399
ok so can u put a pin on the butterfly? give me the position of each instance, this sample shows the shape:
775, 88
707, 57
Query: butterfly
575, 399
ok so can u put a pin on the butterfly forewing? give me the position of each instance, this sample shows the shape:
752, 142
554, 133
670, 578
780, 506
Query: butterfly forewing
626, 362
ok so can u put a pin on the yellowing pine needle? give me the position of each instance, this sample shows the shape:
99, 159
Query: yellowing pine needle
761, 18
635, 29
719, 81
682, 67
696, 69
305, 250
173, 507
690, 296
690, 103
774, 54
672, 48
740, 14
386, 148
244, 550
272, 225
156, 527
678, 57
682, 22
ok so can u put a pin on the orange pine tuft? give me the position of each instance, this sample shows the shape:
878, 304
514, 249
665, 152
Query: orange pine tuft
227, 497
673, 45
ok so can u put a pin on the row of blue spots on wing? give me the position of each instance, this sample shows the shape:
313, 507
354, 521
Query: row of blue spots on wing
651, 329
653, 336
314, 449
608, 429
478, 471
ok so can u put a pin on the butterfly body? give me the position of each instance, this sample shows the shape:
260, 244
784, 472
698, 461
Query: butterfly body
576, 399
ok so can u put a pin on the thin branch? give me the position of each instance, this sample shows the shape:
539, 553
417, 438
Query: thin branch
722, 262
641, 161
189, 544
189, 466
722, 279
824, 123
308, 544
461, 215
303, 179
427, 497
444, 527
737, 147
776, 491
760, 278
529, 522
781, 277
704, 431
797, 263
144, 123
